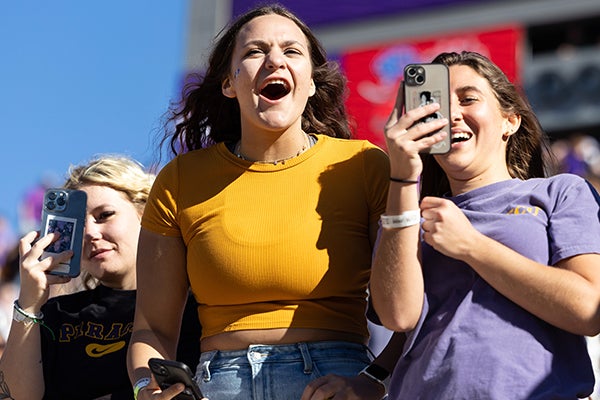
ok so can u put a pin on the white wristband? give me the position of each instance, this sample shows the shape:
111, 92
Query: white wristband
23, 316
407, 218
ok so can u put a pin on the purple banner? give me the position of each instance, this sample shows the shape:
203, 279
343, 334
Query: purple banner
320, 12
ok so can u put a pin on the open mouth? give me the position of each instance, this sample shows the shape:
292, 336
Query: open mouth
460, 137
275, 89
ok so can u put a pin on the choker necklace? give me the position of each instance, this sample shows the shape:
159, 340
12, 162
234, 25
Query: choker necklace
309, 141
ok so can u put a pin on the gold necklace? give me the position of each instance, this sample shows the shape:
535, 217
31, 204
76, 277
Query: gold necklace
305, 146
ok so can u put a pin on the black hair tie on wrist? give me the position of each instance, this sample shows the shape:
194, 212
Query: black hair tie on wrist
402, 180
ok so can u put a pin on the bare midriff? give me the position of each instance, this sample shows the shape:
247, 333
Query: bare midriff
240, 340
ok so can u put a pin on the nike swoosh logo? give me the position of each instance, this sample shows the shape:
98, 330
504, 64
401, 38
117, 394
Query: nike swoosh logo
98, 350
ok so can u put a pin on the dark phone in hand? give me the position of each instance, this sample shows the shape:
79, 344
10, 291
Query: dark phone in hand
64, 212
168, 372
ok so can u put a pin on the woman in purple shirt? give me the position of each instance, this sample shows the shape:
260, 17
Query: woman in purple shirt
500, 281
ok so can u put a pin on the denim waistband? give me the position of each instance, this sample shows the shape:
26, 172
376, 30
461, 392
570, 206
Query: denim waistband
276, 372
283, 349
303, 351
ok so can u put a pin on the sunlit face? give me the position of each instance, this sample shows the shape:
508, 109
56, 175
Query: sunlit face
112, 228
271, 74
479, 129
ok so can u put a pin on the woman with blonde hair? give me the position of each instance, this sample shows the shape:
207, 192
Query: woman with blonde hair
74, 346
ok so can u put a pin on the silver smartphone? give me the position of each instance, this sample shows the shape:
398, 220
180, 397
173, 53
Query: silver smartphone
425, 84
64, 212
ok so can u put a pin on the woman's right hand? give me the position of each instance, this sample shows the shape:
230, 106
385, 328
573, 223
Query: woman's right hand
405, 137
35, 281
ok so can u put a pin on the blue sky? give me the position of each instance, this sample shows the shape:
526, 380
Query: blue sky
79, 78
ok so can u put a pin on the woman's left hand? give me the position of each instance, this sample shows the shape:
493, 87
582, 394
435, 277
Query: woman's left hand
337, 387
446, 228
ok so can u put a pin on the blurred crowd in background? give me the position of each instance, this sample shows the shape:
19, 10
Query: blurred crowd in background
579, 154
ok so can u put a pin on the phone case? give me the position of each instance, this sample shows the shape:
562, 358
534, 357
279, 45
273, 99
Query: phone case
64, 212
168, 372
425, 84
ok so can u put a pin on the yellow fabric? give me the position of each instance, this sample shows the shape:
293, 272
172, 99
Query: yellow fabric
275, 246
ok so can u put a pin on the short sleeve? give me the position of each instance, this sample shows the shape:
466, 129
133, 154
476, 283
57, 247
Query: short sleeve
377, 173
160, 213
574, 224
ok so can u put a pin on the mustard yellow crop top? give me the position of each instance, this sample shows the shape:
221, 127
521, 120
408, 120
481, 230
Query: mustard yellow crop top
275, 246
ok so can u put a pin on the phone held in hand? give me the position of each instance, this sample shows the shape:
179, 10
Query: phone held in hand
64, 212
168, 372
425, 84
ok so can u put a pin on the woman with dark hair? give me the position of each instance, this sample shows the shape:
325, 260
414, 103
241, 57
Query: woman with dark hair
497, 282
207, 115
269, 213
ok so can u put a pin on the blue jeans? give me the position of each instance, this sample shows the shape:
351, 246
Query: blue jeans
276, 372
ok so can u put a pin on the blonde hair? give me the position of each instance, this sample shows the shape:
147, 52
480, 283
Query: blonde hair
117, 172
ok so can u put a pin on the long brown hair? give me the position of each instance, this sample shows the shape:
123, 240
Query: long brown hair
527, 153
205, 116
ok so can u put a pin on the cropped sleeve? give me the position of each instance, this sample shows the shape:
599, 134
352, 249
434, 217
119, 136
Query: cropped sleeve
377, 173
161, 213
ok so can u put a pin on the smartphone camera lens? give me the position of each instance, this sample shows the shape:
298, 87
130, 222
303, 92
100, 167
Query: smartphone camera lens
162, 370
420, 76
61, 201
52, 195
414, 75
50, 205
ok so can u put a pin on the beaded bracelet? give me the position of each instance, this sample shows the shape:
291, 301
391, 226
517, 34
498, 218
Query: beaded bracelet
23, 316
27, 319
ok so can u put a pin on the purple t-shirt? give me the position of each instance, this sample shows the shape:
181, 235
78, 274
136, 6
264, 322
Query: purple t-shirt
474, 343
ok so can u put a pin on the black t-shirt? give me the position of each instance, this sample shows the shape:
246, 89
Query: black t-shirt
86, 359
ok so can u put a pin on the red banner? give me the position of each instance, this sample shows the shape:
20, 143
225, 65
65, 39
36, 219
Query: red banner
374, 73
